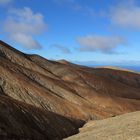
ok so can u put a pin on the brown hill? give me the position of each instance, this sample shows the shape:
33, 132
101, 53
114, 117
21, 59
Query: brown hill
127, 128
70, 93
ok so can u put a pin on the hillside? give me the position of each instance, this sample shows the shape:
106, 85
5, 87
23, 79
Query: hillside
48, 99
127, 128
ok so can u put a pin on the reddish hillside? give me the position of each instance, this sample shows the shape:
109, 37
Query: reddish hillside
67, 92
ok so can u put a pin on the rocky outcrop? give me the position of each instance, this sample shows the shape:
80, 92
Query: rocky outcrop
65, 90
23, 121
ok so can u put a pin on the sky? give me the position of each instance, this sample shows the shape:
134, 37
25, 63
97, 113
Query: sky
84, 31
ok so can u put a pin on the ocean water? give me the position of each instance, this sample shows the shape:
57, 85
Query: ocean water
95, 64
134, 68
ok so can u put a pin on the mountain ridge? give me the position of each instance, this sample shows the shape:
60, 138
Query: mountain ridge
76, 93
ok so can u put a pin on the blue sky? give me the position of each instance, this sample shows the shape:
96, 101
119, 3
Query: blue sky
92, 31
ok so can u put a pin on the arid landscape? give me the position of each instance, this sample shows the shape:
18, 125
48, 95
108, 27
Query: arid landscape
69, 70
124, 127
43, 99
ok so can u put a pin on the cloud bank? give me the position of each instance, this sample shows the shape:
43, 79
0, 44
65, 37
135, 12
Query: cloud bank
22, 25
104, 44
127, 15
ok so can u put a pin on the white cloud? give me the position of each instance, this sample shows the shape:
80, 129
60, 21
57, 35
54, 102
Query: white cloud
99, 43
23, 24
5, 2
127, 15
26, 40
62, 48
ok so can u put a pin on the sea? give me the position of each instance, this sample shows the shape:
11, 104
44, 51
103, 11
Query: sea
134, 68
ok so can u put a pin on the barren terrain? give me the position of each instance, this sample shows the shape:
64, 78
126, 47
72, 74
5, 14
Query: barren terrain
48, 99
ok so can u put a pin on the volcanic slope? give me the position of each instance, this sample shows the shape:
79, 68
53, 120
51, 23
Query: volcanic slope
70, 93
127, 128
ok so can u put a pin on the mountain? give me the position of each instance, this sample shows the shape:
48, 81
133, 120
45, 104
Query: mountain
44, 99
127, 128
